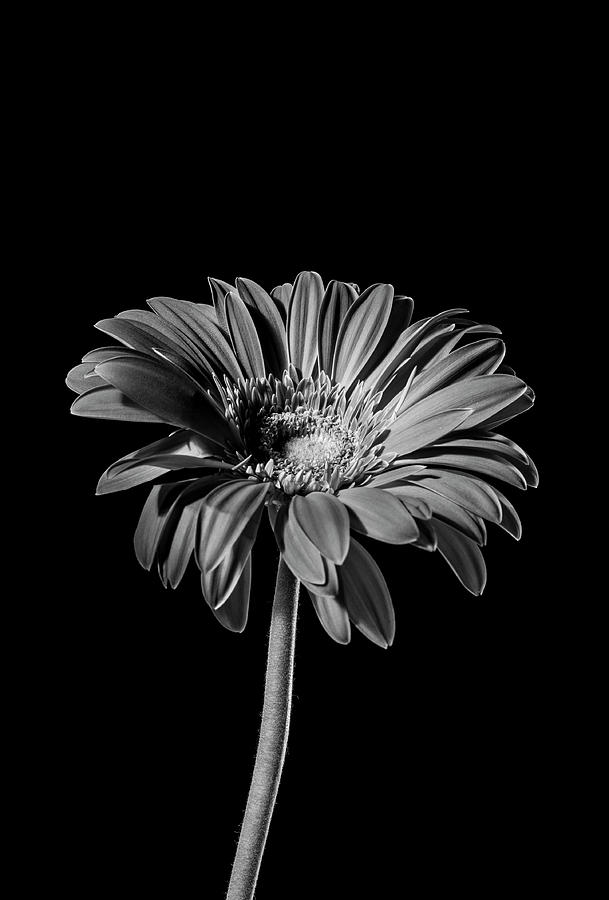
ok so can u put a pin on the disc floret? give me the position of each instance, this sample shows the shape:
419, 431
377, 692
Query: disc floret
306, 434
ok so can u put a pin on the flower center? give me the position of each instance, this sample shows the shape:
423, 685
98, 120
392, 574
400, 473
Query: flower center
306, 442
306, 434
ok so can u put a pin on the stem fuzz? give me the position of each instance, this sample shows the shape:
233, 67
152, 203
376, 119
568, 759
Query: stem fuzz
273, 737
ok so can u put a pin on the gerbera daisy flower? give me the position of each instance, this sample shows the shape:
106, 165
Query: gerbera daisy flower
331, 410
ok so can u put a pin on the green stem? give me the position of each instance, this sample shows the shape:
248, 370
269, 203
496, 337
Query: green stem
273, 737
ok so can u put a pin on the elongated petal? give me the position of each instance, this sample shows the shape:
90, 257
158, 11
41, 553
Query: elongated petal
281, 296
518, 406
360, 332
332, 613
224, 516
325, 521
493, 445
200, 332
336, 301
395, 381
182, 543
482, 525
485, 394
268, 322
207, 313
243, 336
181, 442
152, 519
124, 478
396, 474
300, 554
161, 334
367, 597
303, 312
462, 555
478, 463
109, 403
172, 461
219, 583
478, 440
146, 337
416, 506
167, 393
169, 556
219, 290
409, 432
132, 473
102, 353
379, 515
399, 317
233, 612
317, 574
510, 520
81, 378
451, 341
144, 464
442, 507
329, 586
469, 492
408, 346
533, 475
134, 335
427, 539
479, 358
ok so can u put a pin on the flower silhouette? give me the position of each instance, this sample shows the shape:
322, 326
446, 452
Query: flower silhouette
341, 417
329, 408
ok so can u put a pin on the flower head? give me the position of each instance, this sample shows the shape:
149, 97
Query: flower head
328, 408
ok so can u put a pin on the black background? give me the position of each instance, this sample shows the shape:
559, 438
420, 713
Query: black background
430, 764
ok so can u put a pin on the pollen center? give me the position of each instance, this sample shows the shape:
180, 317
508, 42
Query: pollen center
305, 434
306, 443
312, 450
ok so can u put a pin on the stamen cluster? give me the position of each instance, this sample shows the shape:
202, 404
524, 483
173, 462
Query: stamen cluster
305, 440
307, 434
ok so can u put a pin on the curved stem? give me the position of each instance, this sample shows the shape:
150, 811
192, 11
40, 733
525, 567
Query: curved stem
273, 737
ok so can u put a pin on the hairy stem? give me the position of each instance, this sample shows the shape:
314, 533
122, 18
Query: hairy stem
273, 737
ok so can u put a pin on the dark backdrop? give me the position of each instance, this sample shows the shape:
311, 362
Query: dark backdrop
429, 763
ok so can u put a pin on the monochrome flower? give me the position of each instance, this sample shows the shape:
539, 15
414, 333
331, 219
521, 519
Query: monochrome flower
330, 409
